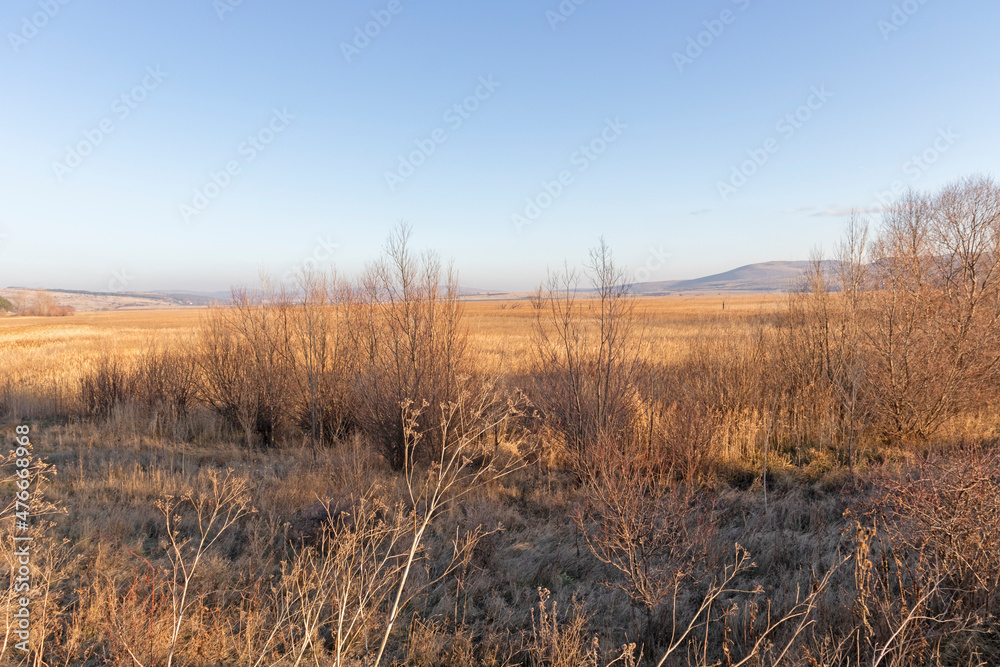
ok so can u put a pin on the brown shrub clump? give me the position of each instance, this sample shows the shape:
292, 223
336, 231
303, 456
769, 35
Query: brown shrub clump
688, 506
39, 303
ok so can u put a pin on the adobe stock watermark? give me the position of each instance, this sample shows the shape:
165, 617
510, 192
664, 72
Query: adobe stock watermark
581, 160
455, 116
248, 151
321, 255
918, 165
562, 13
900, 16
120, 280
363, 35
121, 108
786, 126
656, 260
223, 7
35, 23
714, 28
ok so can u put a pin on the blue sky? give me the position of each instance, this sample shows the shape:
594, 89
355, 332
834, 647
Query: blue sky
185, 145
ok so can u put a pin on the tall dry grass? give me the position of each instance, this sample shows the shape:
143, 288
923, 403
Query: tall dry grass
583, 478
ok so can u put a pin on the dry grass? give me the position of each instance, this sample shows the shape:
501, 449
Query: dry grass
45, 358
260, 592
51, 354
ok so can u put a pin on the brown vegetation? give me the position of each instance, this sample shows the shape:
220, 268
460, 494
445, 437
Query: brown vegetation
37, 303
373, 472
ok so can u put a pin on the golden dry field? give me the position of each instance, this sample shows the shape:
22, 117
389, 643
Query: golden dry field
54, 352
652, 481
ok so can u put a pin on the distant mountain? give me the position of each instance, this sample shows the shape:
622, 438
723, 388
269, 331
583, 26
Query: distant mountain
752, 278
183, 294
759, 278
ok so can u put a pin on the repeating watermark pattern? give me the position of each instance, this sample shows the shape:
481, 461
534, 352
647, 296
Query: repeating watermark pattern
900, 16
455, 116
655, 261
120, 280
224, 7
363, 35
913, 168
35, 23
714, 28
918, 165
248, 151
321, 255
21, 583
562, 13
786, 127
580, 160
121, 109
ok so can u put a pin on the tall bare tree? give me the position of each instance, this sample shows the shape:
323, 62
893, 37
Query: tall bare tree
411, 339
587, 346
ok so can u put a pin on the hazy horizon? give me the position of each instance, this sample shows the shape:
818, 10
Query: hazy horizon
637, 278
165, 147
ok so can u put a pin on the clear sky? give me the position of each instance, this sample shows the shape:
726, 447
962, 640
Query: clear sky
187, 144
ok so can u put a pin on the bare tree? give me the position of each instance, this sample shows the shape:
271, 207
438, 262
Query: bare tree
936, 304
588, 352
245, 361
849, 365
913, 337
411, 340
319, 350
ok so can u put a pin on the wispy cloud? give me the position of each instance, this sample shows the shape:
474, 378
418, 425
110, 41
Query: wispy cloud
837, 212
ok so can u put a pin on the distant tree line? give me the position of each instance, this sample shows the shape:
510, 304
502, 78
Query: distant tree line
35, 303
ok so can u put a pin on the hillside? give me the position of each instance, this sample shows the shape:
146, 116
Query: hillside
752, 278
761, 278
84, 301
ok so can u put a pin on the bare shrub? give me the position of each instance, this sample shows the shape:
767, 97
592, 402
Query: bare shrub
243, 356
346, 587
826, 362
587, 354
214, 510
911, 358
650, 531
685, 432
279, 359
319, 349
167, 379
562, 644
929, 569
342, 582
460, 465
110, 383
916, 339
411, 343
160, 380
39, 303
